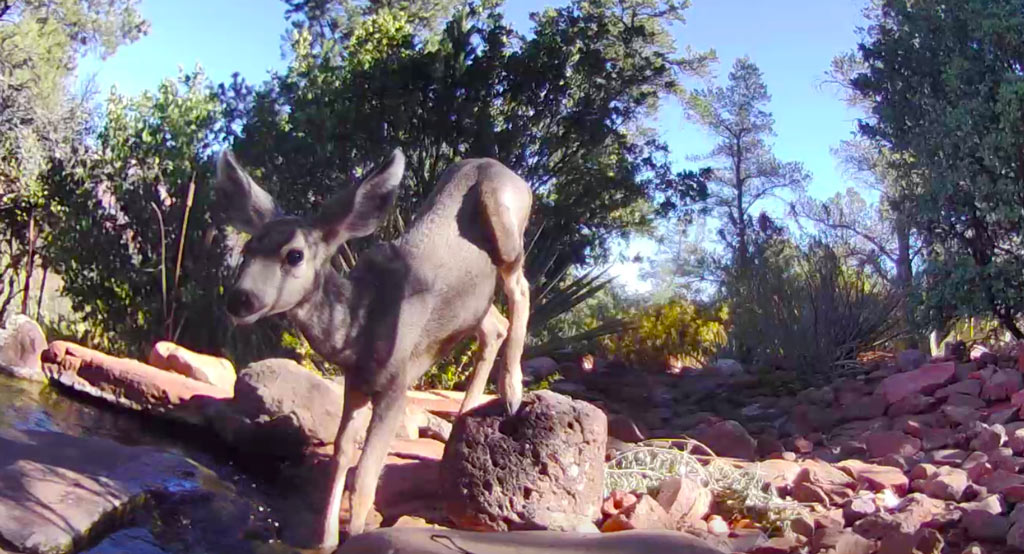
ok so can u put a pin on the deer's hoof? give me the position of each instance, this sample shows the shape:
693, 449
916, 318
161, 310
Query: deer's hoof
512, 404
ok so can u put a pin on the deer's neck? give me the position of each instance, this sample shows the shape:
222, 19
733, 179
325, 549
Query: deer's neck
324, 316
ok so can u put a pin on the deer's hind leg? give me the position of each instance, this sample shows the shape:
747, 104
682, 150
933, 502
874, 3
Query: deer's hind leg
491, 333
507, 209
355, 412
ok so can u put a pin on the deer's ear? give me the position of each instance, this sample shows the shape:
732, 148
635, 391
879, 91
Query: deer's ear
244, 205
358, 211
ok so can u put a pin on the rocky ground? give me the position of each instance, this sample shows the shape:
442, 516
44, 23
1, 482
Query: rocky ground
913, 455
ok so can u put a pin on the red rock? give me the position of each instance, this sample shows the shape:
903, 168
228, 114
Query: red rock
647, 514
802, 445
875, 477
932, 439
858, 508
1016, 441
925, 379
684, 500
966, 401
948, 483
617, 501
911, 404
1000, 480
985, 526
960, 415
1004, 384
978, 472
780, 473
127, 383
809, 494
922, 541
213, 370
624, 429
971, 387
778, 545
726, 438
836, 485
769, 446
840, 541
717, 526
1013, 493
883, 443
947, 457
992, 503
923, 471
868, 407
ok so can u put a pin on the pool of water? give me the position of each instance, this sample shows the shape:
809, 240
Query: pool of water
183, 519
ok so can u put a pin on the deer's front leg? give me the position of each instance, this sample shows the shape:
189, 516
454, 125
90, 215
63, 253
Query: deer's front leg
517, 290
354, 415
388, 410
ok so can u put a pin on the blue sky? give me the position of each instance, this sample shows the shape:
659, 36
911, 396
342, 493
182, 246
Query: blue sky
792, 41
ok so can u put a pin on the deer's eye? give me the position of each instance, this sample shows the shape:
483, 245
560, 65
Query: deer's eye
293, 257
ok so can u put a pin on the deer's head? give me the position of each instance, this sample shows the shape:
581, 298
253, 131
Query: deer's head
283, 255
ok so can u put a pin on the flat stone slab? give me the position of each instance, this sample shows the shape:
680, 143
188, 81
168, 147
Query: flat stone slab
407, 540
54, 487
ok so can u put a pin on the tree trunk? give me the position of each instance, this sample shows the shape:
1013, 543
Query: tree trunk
42, 292
904, 273
29, 261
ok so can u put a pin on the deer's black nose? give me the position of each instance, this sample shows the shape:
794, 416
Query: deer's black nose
240, 303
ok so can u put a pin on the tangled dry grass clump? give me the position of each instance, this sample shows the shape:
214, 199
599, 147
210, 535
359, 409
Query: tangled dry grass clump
740, 491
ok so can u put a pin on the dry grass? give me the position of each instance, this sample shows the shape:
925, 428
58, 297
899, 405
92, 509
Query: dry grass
740, 491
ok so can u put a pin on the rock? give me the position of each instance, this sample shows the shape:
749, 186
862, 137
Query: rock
213, 370
432, 426
545, 462
923, 472
982, 356
717, 525
868, 407
985, 526
816, 475
947, 457
875, 478
727, 367
911, 404
922, 541
685, 500
840, 541
858, 508
965, 401
910, 359
624, 429
781, 474
988, 437
726, 438
647, 513
54, 488
948, 483
1004, 384
970, 387
285, 410
883, 443
1016, 441
911, 513
992, 504
21, 343
769, 446
1001, 479
618, 501
128, 383
923, 380
537, 369
440, 541
960, 415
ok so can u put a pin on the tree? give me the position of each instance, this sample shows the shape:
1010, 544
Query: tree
749, 173
40, 115
947, 93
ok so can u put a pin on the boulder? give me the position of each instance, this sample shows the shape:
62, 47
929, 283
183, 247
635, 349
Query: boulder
910, 359
876, 478
440, 541
21, 343
817, 475
539, 468
625, 429
1002, 385
281, 409
537, 369
970, 387
646, 513
726, 438
883, 443
948, 483
911, 404
924, 380
685, 500
54, 487
985, 526
214, 370
128, 383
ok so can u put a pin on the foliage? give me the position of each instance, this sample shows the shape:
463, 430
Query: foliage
739, 492
676, 328
946, 97
808, 311
140, 198
749, 173
41, 117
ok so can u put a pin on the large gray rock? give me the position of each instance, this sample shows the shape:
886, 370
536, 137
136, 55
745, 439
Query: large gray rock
21, 343
542, 468
280, 409
406, 540
55, 487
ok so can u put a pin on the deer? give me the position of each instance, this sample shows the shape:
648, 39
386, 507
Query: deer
402, 306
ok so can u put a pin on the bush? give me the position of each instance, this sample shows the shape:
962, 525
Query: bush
677, 328
807, 311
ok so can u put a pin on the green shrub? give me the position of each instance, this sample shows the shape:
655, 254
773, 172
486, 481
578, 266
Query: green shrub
677, 328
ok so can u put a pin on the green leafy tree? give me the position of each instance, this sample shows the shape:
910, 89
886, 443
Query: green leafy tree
946, 94
41, 116
139, 197
748, 173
